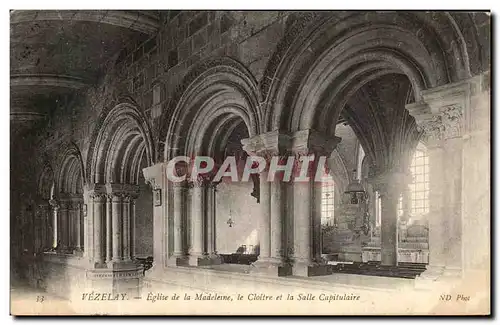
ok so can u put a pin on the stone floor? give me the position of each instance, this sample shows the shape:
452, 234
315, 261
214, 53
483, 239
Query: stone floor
338, 279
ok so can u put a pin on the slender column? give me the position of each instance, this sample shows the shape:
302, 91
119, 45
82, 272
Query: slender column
132, 226
196, 224
78, 229
213, 209
277, 251
99, 212
209, 229
55, 212
265, 217
302, 228
61, 226
178, 198
70, 228
316, 216
126, 228
109, 228
117, 227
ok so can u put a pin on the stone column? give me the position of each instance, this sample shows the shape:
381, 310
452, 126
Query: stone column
306, 202
109, 228
178, 207
71, 225
163, 231
197, 224
440, 115
265, 218
99, 201
272, 223
211, 228
62, 226
116, 225
132, 226
277, 224
78, 228
390, 186
55, 233
126, 228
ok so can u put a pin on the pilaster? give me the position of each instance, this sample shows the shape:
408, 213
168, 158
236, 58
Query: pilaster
445, 116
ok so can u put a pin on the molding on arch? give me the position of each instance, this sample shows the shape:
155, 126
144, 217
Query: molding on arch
47, 172
198, 75
133, 20
126, 109
69, 151
307, 40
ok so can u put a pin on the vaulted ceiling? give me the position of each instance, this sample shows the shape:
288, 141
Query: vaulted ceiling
55, 53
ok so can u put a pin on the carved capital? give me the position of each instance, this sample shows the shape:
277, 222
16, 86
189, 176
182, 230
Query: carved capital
122, 190
98, 196
266, 145
153, 175
307, 142
444, 125
54, 204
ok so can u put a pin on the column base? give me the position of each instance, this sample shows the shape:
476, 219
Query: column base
99, 265
177, 260
204, 260
272, 267
122, 265
388, 257
307, 269
118, 278
215, 259
78, 251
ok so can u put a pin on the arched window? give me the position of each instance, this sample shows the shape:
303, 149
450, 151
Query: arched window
418, 189
327, 201
359, 167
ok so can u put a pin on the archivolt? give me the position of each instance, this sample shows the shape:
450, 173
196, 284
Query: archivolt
45, 182
70, 170
121, 140
215, 94
313, 72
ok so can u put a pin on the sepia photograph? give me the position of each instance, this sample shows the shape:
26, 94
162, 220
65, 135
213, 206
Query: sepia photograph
250, 162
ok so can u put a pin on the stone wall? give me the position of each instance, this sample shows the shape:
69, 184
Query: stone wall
147, 74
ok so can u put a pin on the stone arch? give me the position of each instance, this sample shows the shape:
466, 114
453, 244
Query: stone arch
326, 57
213, 98
70, 171
119, 142
46, 182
